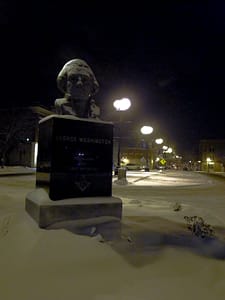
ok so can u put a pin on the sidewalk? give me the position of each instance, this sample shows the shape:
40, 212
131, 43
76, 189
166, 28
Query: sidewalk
211, 173
16, 170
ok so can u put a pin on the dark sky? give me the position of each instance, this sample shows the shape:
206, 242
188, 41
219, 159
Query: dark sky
167, 57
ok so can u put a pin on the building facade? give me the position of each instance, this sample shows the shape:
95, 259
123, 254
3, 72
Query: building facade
212, 155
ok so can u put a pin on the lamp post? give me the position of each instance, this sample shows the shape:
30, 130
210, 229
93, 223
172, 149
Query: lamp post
208, 160
120, 106
167, 152
147, 130
158, 141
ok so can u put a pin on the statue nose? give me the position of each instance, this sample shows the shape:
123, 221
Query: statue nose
79, 81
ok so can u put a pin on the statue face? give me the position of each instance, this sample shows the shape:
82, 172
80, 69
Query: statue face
79, 85
77, 80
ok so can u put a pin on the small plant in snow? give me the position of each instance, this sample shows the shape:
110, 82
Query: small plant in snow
199, 227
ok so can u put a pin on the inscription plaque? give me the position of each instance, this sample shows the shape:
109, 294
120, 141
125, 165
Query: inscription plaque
74, 157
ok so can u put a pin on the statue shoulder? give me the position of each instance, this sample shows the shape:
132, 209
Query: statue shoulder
61, 101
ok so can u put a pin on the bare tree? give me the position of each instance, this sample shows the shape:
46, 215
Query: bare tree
16, 125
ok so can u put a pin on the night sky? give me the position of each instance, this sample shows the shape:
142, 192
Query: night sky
167, 57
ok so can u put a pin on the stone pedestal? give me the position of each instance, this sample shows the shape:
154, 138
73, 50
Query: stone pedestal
74, 157
46, 212
74, 171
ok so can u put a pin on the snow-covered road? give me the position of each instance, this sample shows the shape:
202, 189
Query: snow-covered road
157, 193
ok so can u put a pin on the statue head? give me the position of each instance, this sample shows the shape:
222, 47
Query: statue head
78, 83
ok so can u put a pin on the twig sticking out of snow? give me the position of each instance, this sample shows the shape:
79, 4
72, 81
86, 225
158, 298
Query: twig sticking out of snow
177, 207
99, 238
128, 238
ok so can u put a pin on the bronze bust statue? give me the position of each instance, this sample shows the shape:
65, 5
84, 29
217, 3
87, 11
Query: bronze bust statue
78, 83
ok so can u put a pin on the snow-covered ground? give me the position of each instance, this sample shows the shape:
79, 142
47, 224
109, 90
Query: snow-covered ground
152, 256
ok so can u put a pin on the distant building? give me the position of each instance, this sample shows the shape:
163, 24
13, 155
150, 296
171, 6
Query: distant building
131, 155
212, 155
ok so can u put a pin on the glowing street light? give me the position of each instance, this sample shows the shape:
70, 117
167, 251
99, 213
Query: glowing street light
169, 150
159, 141
122, 104
146, 129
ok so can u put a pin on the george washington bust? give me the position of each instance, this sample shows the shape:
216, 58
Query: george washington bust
78, 84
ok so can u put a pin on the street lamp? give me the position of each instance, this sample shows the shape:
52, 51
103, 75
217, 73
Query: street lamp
120, 106
208, 160
147, 130
158, 141
169, 150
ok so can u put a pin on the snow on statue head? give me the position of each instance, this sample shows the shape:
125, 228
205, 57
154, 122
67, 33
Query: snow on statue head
78, 83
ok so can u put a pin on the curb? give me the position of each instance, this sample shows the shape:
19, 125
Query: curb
16, 174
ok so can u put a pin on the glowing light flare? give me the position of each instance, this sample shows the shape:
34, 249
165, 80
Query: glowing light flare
125, 160
146, 130
169, 150
209, 161
159, 141
122, 104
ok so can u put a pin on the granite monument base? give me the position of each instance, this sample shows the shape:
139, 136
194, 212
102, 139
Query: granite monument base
46, 212
74, 157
